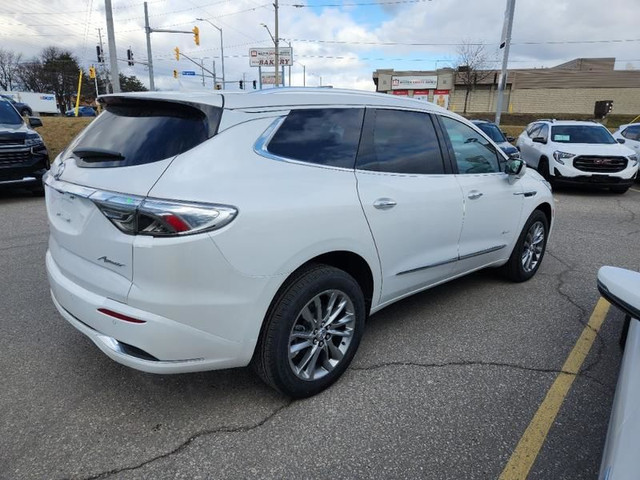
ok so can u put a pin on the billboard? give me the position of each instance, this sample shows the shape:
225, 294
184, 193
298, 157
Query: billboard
266, 57
441, 98
424, 82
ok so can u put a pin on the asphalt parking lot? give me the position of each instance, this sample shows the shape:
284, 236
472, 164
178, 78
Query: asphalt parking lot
443, 386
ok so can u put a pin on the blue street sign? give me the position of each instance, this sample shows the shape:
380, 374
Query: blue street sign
188, 73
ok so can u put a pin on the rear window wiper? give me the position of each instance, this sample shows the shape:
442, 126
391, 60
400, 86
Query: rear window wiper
98, 154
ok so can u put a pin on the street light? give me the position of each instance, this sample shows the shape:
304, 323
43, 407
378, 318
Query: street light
221, 47
304, 72
275, 42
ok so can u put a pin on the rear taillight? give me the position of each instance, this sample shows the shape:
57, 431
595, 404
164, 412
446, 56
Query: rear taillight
161, 218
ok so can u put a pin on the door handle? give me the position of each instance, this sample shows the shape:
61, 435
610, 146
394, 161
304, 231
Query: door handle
474, 195
384, 203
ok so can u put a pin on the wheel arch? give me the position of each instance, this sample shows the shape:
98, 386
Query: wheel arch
547, 210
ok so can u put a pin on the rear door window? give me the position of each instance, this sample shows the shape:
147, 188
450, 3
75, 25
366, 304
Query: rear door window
399, 141
327, 136
141, 132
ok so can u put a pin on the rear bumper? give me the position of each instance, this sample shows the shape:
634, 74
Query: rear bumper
159, 345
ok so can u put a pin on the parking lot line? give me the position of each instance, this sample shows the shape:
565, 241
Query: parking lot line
531, 442
634, 190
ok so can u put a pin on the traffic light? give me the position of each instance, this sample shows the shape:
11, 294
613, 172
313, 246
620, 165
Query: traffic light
602, 108
175, 74
92, 72
241, 85
99, 54
196, 35
177, 51
130, 61
255, 84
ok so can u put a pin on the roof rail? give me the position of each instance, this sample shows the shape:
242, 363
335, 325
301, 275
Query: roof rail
546, 120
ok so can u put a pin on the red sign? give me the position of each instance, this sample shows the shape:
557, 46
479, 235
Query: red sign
400, 92
441, 92
421, 92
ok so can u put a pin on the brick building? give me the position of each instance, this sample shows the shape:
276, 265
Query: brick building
571, 87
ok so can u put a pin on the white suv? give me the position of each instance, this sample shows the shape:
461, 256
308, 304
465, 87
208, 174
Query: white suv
195, 232
566, 151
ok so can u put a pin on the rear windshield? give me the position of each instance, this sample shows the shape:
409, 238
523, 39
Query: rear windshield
581, 134
8, 114
142, 132
492, 131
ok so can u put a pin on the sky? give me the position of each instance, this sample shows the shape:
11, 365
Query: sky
340, 43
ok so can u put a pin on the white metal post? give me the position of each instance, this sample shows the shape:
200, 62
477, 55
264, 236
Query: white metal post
113, 59
147, 30
508, 18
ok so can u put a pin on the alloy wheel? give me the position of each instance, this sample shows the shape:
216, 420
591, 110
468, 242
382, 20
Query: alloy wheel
532, 248
321, 335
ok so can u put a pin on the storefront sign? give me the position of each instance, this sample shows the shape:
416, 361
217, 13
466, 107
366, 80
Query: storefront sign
266, 57
441, 98
413, 82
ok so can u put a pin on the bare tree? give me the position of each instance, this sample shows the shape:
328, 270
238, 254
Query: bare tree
472, 66
9, 65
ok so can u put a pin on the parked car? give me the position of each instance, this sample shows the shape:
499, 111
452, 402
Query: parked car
23, 108
578, 152
83, 111
498, 136
195, 232
629, 136
24, 158
620, 459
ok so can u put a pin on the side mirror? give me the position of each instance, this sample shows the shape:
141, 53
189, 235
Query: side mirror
514, 156
515, 168
620, 140
539, 140
35, 122
510, 139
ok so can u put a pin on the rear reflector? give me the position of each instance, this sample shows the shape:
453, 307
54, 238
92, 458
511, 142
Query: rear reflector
120, 316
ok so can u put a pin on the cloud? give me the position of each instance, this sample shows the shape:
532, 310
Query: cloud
27, 28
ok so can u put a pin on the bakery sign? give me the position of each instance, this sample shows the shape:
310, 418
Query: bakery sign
413, 82
266, 57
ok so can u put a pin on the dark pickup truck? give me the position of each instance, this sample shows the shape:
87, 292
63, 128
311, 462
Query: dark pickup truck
24, 158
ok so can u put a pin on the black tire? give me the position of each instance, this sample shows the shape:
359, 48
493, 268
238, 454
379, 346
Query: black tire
543, 169
514, 269
285, 320
619, 190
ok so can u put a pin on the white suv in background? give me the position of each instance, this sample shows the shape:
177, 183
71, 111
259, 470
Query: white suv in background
630, 135
567, 151
199, 231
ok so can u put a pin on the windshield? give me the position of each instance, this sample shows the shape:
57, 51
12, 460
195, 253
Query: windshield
581, 134
8, 114
492, 131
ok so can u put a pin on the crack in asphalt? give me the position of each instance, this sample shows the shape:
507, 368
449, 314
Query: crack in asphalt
584, 313
188, 441
281, 408
480, 363
628, 210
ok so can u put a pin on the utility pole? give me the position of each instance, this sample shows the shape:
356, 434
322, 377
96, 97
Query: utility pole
202, 70
506, 43
113, 60
276, 41
101, 61
147, 30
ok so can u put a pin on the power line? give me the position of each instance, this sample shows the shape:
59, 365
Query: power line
363, 4
443, 44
